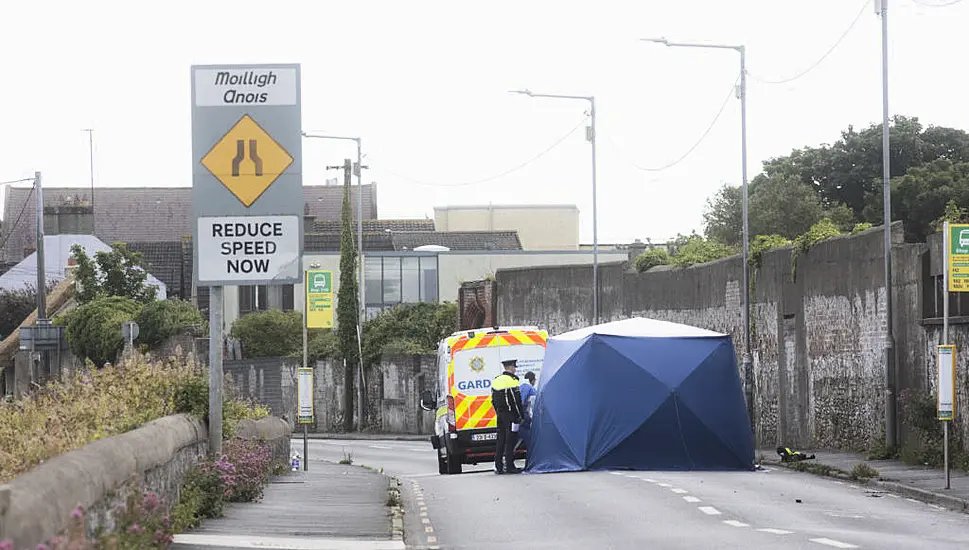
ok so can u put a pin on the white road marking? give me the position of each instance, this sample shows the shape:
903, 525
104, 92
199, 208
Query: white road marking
840, 482
384, 447
893, 496
649, 480
691, 499
936, 506
285, 543
776, 531
834, 543
680, 491
426, 521
431, 540
428, 529
710, 510
735, 523
912, 500
665, 485
617, 473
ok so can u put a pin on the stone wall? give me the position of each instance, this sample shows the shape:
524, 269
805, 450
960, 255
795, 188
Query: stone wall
392, 395
36, 506
818, 326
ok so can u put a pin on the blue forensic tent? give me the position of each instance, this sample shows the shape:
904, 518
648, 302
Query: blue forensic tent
640, 394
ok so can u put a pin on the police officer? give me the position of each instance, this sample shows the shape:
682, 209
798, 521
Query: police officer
507, 401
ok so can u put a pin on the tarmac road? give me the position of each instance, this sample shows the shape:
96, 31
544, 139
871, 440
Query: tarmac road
766, 509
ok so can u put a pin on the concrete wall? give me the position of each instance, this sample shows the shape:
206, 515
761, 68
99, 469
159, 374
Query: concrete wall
37, 506
817, 338
540, 227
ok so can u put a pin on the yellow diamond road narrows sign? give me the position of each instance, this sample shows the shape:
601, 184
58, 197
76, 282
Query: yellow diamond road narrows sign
247, 160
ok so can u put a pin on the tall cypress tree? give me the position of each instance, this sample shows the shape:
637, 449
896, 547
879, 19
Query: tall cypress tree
347, 307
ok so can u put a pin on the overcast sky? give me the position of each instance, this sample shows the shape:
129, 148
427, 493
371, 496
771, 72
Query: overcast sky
425, 84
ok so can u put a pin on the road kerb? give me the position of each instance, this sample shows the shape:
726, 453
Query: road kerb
922, 495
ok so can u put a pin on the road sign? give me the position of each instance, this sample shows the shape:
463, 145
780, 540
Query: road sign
247, 186
957, 261
242, 248
319, 299
304, 396
946, 382
247, 160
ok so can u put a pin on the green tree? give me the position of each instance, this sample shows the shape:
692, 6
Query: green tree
783, 205
94, 328
347, 307
162, 319
270, 333
723, 215
920, 196
118, 272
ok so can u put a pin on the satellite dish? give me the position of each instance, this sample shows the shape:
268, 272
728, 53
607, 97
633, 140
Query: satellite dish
432, 248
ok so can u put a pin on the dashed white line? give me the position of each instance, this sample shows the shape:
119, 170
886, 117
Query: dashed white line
384, 447
691, 499
649, 480
893, 496
912, 500
709, 510
680, 491
833, 543
665, 485
936, 506
776, 531
735, 523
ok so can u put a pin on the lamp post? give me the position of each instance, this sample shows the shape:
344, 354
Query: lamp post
881, 7
361, 308
591, 137
747, 360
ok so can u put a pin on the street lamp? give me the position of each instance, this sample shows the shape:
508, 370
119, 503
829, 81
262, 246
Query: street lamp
591, 137
360, 307
747, 361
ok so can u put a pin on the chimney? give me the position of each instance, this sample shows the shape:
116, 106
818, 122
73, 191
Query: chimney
70, 217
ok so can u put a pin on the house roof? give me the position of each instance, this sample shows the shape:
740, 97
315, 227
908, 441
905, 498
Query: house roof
57, 251
458, 240
165, 260
146, 214
333, 226
330, 242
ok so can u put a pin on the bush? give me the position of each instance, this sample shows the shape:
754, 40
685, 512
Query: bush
761, 244
408, 328
67, 414
323, 344
94, 329
269, 333
15, 306
162, 319
698, 250
652, 258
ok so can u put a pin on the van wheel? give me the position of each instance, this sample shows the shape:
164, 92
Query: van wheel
452, 462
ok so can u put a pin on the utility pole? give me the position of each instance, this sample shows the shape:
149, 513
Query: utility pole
349, 168
43, 367
90, 140
890, 397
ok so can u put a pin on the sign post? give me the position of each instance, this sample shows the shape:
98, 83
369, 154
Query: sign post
247, 191
955, 251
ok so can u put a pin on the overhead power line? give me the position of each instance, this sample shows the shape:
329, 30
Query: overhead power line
932, 5
16, 181
691, 149
16, 223
823, 57
496, 176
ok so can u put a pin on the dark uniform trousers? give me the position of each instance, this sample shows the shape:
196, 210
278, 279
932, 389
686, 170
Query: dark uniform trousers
505, 446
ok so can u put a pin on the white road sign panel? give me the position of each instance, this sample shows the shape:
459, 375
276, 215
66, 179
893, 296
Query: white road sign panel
224, 87
248, 248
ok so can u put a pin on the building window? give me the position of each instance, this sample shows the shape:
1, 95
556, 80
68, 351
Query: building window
253, 298
429, 278
410, 280
289, 297
372, 280
391, 280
